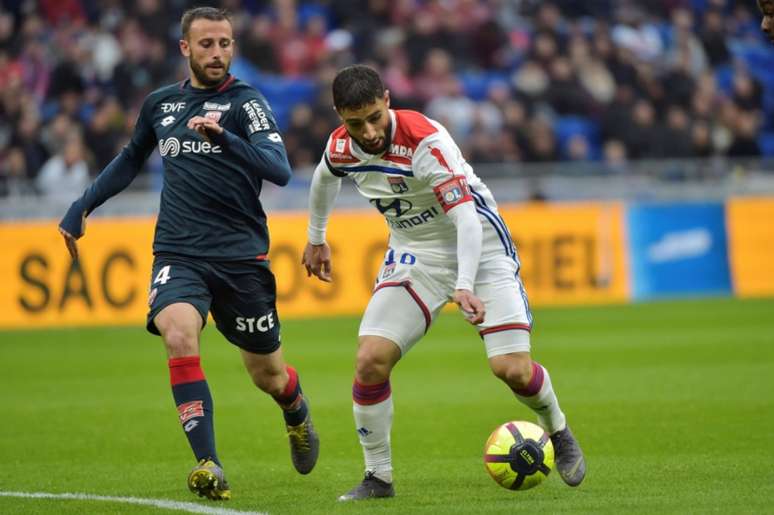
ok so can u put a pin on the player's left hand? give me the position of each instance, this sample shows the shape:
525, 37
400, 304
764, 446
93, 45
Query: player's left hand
317, 261
204, 125
470, 305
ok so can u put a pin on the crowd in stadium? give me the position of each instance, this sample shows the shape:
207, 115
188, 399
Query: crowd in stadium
513, 80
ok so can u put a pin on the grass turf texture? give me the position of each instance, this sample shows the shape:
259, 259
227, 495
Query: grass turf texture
672, 403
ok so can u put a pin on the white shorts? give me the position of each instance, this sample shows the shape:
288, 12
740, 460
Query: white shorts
409, 295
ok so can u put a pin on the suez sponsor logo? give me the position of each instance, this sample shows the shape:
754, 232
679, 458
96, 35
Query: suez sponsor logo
173, 147
252, 324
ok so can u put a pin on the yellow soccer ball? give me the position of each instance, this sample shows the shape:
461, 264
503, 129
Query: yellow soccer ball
519, 455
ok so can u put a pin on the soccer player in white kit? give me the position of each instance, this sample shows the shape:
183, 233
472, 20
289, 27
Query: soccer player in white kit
447, 243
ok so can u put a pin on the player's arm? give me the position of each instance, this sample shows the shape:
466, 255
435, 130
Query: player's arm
469, 236
440, 164
322, 196
114, 178
262, 151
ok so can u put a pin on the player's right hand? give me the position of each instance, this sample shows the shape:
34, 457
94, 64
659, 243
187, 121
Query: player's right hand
70, 242
72, 227
470, 305
317, 261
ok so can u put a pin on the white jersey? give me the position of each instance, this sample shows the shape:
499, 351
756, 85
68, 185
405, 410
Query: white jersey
420, 177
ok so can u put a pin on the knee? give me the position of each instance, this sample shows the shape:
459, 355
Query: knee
272, 382
180, 342
516, 372
372, 366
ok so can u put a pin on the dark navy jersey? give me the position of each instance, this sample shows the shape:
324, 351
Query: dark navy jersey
210, 205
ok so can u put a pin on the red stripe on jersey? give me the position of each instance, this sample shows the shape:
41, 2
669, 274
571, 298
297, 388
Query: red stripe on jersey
261, 257
226, 84
453, 192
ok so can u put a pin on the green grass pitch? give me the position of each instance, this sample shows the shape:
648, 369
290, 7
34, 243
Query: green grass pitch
672, 402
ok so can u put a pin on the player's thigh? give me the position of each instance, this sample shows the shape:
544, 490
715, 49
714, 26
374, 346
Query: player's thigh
508, 320
407, 298
244, 306
176, 280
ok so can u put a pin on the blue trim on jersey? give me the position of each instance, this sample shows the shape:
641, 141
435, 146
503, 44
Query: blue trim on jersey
499, 225
378, 168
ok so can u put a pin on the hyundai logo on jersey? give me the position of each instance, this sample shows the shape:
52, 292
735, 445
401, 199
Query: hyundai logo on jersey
397, 207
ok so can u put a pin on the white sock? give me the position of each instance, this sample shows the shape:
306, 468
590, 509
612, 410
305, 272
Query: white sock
373, 423
540, 397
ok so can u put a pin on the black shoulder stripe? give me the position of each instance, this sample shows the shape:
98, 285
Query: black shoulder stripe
335, 171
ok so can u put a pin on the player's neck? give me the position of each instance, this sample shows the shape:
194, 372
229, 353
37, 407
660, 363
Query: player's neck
194, 82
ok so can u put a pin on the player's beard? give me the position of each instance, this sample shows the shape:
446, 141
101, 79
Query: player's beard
200, 72
382, 148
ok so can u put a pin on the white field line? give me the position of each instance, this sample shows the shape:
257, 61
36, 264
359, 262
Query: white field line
158, 503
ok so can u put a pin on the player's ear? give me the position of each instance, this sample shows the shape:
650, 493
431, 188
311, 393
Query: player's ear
387, 98
185, 49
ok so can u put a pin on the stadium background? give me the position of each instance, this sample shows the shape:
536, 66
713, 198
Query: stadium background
628, 143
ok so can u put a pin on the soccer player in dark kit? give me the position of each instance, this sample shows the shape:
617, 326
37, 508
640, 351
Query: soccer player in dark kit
219, 142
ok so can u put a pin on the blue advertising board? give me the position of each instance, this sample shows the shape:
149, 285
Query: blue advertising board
678, 250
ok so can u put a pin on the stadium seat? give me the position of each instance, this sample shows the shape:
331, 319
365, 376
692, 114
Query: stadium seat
766, 143
568, 126
476, 84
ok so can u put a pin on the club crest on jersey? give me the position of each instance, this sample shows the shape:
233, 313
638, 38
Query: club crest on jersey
213, 115
397, 184
452, 194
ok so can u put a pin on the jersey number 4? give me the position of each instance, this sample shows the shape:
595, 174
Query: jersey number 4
163, 276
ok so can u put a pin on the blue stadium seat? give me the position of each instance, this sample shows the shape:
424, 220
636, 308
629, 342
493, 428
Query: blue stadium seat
568, 126
476, 84
766, 142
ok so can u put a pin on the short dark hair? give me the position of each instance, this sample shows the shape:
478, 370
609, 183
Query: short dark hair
356, 86
208, 13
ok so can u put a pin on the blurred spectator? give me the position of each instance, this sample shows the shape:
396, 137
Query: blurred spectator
745, 142
614, 156
667, 78
713, 37
66, 173
675, 137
